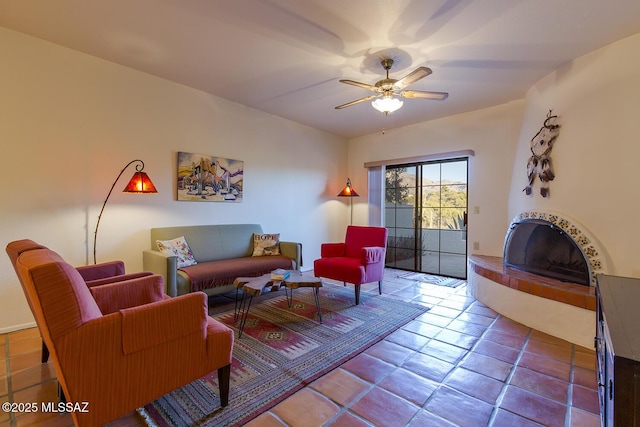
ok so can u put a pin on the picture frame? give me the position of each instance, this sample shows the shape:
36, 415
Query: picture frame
206, 178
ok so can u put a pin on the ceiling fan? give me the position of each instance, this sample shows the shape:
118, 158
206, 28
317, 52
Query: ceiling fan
387, 89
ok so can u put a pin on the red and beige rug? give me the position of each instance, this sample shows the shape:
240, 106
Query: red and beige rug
281, 351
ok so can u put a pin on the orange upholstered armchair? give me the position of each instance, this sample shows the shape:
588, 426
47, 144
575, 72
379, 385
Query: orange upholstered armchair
93, 275
121, 345
360, 259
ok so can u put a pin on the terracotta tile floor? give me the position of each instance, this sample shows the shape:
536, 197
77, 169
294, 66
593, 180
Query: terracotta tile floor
459, 364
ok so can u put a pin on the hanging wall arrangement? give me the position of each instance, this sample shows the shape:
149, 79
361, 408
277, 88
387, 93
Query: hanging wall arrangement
539, 163
207, 178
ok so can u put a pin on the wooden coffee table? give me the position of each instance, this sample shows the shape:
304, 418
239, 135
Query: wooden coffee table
255, 286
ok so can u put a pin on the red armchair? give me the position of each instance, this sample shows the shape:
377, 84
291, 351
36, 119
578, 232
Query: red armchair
121, 345
360, 259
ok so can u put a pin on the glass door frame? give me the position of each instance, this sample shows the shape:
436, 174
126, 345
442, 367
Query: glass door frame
399, 244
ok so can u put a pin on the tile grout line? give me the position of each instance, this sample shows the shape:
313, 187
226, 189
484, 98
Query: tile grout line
396, 367
467, 355
430, 339
372, 385
347, 409
567, 420
507, 381
442, 384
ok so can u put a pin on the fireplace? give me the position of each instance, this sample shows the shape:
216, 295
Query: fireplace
539, 247
564, 309
551, 244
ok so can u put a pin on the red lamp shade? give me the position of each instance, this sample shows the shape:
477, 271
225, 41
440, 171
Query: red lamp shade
140, 183
348, 190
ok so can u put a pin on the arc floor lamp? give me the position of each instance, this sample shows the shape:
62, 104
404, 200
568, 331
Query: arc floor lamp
138, 184
349, 192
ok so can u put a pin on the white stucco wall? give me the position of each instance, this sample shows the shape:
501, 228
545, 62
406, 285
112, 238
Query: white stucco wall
596, 154
492, 133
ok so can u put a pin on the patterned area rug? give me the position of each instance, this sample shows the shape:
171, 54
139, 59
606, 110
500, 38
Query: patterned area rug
450, 282
281, 351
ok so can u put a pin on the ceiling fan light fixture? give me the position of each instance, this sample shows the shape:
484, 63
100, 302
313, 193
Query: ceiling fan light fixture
385, 89
387, 104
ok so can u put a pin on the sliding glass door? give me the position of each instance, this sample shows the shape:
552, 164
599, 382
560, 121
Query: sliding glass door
426, 216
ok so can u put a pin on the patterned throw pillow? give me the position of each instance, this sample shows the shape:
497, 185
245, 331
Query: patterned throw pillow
178, 247
266, 244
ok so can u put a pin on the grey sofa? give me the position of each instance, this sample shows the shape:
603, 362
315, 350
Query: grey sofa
223, 252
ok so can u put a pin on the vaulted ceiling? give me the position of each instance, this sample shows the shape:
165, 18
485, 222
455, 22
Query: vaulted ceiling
285, 57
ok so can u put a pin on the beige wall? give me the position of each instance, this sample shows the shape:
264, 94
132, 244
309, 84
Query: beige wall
492, 133
597, 99
69, 123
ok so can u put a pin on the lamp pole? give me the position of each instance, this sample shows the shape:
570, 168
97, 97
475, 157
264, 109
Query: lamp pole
349, 192
139, 183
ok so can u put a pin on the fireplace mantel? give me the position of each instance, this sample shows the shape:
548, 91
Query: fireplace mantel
493, 269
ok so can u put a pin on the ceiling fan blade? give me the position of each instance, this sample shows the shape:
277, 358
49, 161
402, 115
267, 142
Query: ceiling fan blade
362, 85
421, 94
412, 77
357, 101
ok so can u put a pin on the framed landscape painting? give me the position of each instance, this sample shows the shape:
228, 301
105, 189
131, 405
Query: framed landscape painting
205, 178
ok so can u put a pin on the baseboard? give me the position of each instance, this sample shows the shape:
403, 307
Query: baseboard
17, 327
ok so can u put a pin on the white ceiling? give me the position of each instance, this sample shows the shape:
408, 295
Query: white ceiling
285, 57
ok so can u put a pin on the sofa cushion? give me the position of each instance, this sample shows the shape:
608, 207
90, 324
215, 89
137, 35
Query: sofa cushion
223, 272
345, 269
266, 244
178, 247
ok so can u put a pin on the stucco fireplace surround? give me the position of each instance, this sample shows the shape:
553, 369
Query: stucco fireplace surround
558, 307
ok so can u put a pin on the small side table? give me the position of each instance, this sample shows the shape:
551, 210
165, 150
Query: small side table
254, 286
297, 280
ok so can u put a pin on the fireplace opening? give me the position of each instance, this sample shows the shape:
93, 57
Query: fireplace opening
539, 247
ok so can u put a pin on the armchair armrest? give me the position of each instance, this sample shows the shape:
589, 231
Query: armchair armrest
114, 279
129, 293
372, 254
101, 271
164, 265
292, 250
332, 250
149, 325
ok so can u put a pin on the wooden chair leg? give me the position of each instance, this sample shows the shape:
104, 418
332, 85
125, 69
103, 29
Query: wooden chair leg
45, 353
61, 397
224, 375
357, 288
